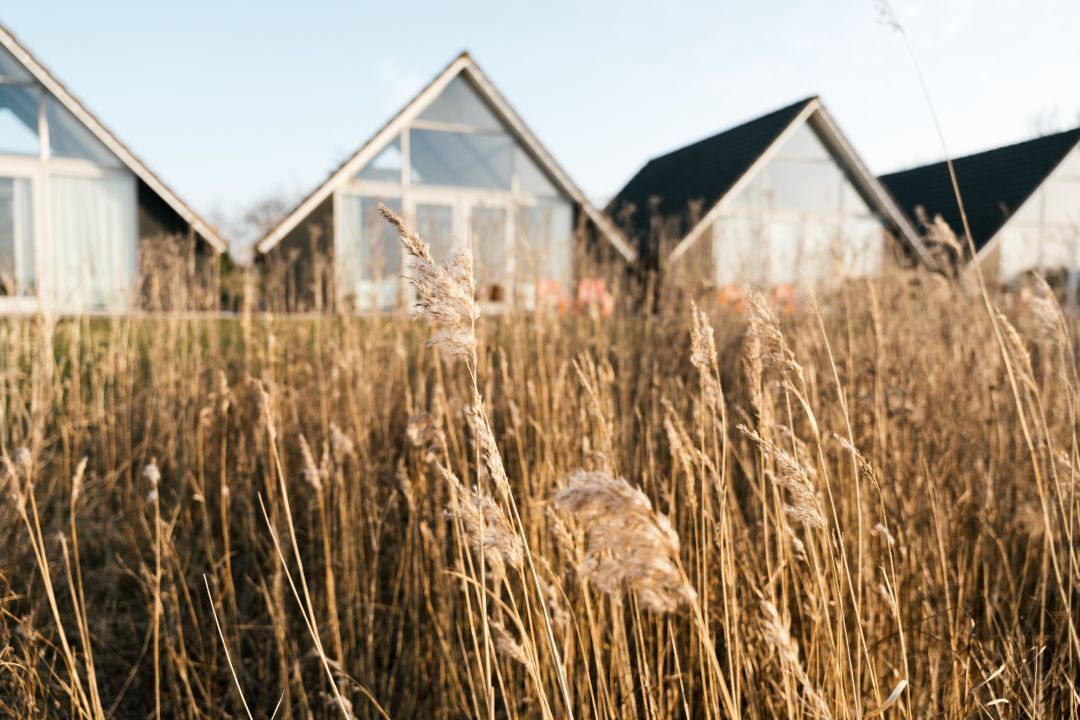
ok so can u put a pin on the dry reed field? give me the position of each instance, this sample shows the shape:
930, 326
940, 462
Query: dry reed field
862, 509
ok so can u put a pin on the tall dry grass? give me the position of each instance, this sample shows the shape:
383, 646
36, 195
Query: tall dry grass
864, 509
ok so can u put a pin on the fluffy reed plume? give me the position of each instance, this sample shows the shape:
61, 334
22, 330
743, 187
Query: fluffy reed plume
702, 341
491, 465
777, 633
486, 526
767, 343
446, 296
313, 474
152, 475
803, 506
629, 546
938, 233
425, 432
506, 645
341, 444
77, 481
23, 459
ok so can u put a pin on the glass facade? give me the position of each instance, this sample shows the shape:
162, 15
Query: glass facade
17, 271
1044, 234
460, 176
68, 207
798, 221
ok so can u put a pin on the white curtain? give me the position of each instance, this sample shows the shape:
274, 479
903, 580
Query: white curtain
348, 224
23, 206
94, 242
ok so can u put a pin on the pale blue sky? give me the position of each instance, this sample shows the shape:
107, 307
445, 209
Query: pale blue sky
231, 102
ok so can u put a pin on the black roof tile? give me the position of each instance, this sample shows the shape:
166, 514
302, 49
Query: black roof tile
700, 172
994, 184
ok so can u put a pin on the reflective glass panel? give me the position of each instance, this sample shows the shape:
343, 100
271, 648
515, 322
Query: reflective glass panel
462, 159
531, 179
386, 166
460, 104
19, 120
488, 227
547, 231
435, 223
783, 253
69, 138
803, 144
738, 250
16, 237
11, 69
805, 186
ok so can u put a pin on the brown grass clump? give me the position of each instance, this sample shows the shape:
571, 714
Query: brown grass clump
865, 508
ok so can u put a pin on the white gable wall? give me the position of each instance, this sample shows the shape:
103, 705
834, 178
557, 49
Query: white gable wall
1044, 234
799, 221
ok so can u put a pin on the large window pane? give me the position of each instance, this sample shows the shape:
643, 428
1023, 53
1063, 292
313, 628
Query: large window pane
1059, 248
368, 252
11, 70
805, 186
69, 138
749, 197
16, 237
460, 104
386, 166
435, 223
488, 227
464, 159
738, 249
783, 252
863, 244
94, 241
1062, 202
19, 120
531, 179
803, 144
547, 231
816, 241
380, 247
853, 203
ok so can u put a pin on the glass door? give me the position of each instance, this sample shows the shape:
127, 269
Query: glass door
368, 251
18, 261
435, 223
489, 229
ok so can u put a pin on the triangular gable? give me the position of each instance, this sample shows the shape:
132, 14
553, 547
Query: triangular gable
994, 184
713, 171
426, 102
28, 64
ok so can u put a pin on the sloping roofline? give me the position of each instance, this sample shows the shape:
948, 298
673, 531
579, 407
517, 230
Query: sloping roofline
815, 113
1044, 155
126, 156
462, 64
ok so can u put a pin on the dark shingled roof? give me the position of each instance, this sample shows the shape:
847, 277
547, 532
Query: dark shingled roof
994, 184
701, 172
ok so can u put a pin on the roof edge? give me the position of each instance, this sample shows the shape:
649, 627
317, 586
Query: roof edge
462, 63
107, 138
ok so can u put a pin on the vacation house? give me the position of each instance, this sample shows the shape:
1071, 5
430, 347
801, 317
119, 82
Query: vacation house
77, 207
782, 201
1022, 203
460, 165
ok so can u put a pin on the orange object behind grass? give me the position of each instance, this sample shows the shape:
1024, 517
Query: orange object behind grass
593, 297
784, 298
550, 296
731, 297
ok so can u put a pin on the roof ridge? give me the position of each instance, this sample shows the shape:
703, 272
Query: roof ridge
764, 116
74, 105
989, 151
